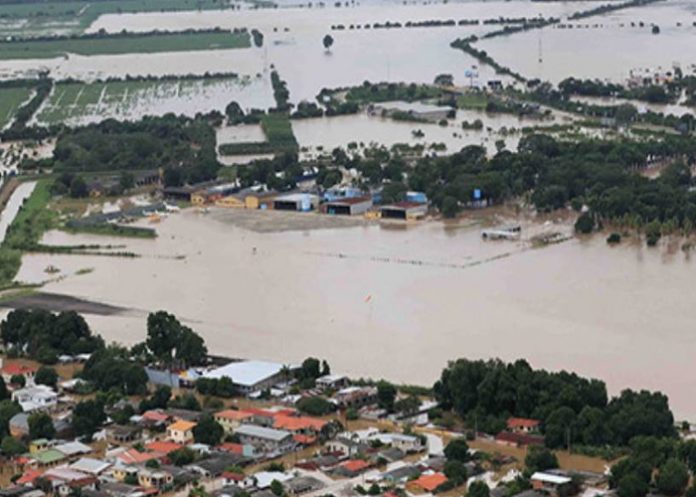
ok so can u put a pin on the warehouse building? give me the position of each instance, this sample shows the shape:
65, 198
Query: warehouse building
404, 211
251, 376
348, 206
302, 202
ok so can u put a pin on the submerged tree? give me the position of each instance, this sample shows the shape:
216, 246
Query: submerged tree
328, 42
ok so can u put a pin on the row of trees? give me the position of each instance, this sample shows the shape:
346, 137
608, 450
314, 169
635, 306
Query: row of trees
184, 147
42, 335
573, 409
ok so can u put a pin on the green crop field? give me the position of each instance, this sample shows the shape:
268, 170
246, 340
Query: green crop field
73, 17
10, 100
110, 45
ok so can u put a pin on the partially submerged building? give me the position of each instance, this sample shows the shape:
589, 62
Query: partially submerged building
404, 211
301, 202
353, 206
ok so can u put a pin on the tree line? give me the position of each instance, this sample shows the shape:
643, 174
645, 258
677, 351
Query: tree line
573, 410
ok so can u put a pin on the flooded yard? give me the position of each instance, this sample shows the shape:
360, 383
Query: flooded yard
419, 295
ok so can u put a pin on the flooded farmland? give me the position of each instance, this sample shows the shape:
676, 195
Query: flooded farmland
78, 104
423, 295
607, 47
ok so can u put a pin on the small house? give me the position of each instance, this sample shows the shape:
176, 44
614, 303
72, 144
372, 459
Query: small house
231, 419
181, 431
523, 425
266, 440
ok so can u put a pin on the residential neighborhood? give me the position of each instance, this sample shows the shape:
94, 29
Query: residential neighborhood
167, 418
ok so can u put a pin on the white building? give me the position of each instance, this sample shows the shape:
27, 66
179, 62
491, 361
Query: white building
407, 443
250, 376
36, 398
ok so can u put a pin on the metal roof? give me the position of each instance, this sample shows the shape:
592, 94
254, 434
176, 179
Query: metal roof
246, 373
261, 432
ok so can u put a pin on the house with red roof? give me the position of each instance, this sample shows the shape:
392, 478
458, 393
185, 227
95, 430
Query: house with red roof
429, 482
133, 456
237, 449
29, 476
230, 478
306, 430
18, 369
163, 446
154, 417
523, 425
351, 468
231, 419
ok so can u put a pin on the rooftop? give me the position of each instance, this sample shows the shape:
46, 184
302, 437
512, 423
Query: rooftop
163, 447
522, 423
430, 482
89, 465
246, 373
182, 426
296, 423
349, 201
550, 478
233, 415
261, 432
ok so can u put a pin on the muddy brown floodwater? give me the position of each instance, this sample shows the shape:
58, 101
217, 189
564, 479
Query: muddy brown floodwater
396, 302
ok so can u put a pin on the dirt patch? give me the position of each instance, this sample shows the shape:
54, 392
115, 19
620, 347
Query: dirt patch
566, 460
262, 221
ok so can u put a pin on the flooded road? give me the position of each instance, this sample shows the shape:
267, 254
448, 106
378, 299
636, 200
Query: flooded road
396, 302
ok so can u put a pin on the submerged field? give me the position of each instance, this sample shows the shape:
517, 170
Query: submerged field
80, 103
123, 44
10, 100
73, 17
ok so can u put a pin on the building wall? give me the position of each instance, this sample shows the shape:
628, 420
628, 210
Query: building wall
230, 202
180, 436
257, 201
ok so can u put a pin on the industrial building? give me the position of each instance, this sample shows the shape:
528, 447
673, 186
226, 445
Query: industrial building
404, 211
260, 200
302, 202
348, 206
250, 376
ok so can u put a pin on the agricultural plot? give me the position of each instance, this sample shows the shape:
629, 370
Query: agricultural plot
10, 100
73, 17
120, 44
80, 103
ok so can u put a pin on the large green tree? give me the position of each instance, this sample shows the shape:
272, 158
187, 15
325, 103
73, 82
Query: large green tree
41, 426
208, 431
457, 450
672, 478
88, 416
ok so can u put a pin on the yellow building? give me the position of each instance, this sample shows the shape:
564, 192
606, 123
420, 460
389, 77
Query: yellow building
154, 478
181, 432
231, 201
262, 200
230, 419
39, 445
